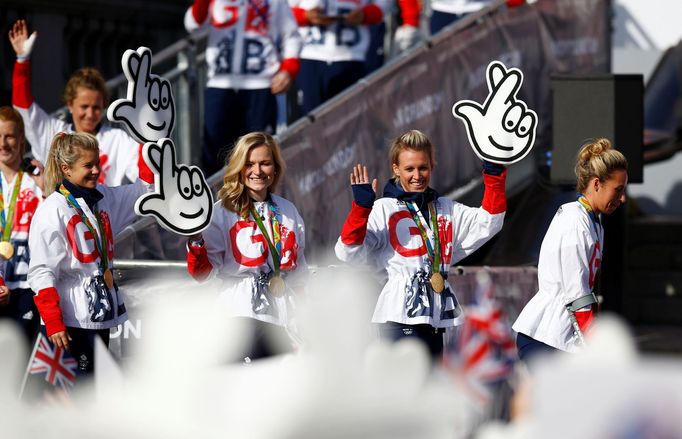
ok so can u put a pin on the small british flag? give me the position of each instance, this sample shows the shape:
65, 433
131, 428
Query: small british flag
56, 363
485, 351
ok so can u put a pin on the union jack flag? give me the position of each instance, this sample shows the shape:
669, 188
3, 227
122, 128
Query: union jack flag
485, 350
57, 365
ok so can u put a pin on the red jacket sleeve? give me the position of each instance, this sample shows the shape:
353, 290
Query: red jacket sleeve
198, 265
291, 66
355, 228
409, 12
200, 10
145, 173
21, 85
494, 196
373, 14
47, 302
300, 16
585, 319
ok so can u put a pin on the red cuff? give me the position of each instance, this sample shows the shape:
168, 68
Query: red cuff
200, 10
372, 14
21, 85
494, 196
585, 319
2, 281
409, 12
514, 3
300, 16
291, 66
198, 264
145, 173
355, 227
47, 302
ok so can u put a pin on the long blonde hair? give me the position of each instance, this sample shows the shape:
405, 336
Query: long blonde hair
66, 149
233, 194
598, 159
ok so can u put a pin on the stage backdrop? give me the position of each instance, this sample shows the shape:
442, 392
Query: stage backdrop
418, 91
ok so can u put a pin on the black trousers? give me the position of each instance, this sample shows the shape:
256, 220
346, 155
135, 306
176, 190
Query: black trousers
432, 337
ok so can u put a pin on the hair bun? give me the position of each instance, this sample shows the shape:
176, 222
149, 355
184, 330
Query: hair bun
595, 148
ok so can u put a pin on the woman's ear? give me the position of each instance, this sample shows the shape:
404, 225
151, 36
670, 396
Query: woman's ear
64, 168
396, 170
596, 184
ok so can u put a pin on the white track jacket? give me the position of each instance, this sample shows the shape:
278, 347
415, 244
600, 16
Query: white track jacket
236, 252
570, 257
64, 256
394, 245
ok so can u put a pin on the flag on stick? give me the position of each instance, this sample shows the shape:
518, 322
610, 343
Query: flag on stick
57, 365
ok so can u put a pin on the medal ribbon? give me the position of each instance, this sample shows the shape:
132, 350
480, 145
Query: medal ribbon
7, 221
586, 204
276, 247
100, 243
433, 250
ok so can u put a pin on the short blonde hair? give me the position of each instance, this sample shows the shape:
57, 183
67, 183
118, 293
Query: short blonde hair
598, 159
414, 140
233, 195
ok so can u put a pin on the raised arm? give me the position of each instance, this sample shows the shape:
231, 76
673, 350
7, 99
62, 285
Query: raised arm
39, 126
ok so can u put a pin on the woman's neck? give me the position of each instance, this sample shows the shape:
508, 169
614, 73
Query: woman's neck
258, 195
9, 171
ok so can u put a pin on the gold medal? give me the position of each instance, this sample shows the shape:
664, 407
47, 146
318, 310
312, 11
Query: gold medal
276, 285
109, 279
437, 282
6, 250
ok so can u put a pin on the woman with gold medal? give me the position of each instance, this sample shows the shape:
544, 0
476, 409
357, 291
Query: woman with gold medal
72, 249
254, 246
20, 194
413, 235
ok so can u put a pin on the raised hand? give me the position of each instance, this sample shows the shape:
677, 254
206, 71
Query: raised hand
148, 111
182, 201
364, 194
21, 42
502, 130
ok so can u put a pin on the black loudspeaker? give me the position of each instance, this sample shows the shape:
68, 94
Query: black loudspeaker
586, 107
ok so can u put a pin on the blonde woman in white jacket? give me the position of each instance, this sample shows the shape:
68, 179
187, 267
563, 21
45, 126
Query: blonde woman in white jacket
562, 310
72, 247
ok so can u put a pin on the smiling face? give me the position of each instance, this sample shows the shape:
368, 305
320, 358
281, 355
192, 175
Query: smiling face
11, 141
413, 170
85, 172
258, 172
606, 196
86, 109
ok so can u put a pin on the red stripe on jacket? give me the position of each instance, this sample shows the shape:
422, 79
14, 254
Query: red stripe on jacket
355, 228
494, 197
